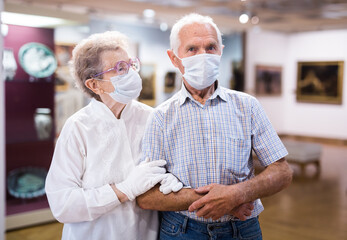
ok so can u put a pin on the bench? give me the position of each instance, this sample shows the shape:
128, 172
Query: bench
303, 154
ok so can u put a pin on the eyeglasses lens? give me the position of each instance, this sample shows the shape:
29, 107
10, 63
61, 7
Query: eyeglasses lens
122, 68
135, 63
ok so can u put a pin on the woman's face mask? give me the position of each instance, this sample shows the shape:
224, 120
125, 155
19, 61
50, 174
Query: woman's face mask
201, 70
126, 87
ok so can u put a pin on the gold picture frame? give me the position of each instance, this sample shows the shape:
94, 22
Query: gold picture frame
320, 82
148, 76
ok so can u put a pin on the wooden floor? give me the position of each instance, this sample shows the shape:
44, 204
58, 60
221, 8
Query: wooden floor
311, 208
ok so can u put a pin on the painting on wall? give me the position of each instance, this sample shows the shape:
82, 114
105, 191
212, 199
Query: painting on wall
320, 82
268, 80
170, 82
63, 53
237, 81
147, 73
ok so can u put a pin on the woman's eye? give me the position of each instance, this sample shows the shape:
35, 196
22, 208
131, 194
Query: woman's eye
121, 69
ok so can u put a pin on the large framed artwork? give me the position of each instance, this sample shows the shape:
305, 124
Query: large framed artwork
268, 80
320, 82
147, 73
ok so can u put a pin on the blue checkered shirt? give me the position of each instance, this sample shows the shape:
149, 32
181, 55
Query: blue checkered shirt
212, 143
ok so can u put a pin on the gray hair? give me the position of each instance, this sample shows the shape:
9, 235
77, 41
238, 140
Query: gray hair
187, 20
86, 56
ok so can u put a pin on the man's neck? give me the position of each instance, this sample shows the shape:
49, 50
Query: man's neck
201, 95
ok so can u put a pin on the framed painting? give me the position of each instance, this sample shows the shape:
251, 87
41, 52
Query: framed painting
148, 75
63, 53
268, 80
170, 82
320, 82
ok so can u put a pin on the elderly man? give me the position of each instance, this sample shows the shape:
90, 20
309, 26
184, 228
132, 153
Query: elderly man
206, 134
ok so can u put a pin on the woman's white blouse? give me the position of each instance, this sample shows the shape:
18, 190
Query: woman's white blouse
94, 150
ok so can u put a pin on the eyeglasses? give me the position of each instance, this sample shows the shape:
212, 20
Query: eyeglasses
122, 67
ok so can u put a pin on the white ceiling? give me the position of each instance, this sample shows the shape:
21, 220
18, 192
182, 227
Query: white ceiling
275, 15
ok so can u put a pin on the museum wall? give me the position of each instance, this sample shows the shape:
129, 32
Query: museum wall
287, 115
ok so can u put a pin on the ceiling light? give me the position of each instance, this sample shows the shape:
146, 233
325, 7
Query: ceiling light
243, 18
30, 20
148, 13
163, 26
255, 20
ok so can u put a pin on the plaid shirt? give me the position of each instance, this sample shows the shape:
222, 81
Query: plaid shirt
212, 143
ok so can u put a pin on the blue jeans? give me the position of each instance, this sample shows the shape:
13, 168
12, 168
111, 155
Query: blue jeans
177, 226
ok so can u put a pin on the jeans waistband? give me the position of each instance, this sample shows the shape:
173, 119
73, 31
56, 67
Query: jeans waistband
175, 223
200, 226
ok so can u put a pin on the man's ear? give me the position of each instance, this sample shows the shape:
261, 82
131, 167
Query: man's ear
92, 84
172, 57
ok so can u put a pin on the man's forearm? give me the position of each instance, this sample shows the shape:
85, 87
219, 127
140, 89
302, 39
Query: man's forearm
155, 200
273, 179
224, 199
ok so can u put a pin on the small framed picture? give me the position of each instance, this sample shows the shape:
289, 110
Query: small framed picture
268, 80
148, 75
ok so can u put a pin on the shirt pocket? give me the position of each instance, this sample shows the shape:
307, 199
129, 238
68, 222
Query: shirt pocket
237, 162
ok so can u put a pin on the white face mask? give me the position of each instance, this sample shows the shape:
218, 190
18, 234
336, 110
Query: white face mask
126, 87
201, 70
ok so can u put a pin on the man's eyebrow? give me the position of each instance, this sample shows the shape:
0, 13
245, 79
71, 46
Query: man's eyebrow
190, 46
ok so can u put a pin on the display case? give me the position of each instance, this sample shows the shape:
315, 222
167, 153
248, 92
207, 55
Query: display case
30, 134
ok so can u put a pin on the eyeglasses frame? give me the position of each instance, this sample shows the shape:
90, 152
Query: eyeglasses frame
115, 67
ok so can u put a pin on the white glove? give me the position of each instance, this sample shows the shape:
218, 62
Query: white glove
142, 178
170, 184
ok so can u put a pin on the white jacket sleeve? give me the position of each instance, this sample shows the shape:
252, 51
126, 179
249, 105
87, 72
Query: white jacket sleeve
68, 201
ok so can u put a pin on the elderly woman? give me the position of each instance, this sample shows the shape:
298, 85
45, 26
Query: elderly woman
94, 175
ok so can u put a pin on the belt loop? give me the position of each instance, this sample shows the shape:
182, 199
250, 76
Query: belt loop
184, 225
233, 226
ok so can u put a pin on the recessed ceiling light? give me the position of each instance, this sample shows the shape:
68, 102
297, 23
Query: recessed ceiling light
163, 26
243, 18
148, 13
255, 20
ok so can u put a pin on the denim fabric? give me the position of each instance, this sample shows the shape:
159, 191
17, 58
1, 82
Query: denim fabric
177, 226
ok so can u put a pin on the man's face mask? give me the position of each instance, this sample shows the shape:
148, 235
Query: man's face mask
202, 70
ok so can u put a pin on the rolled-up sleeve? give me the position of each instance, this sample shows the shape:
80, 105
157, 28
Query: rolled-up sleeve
265, 142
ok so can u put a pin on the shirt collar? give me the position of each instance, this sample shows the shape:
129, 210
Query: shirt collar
185, 94
101, 109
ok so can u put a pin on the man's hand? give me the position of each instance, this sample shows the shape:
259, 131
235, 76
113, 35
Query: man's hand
222, 199
218, 201
243, 211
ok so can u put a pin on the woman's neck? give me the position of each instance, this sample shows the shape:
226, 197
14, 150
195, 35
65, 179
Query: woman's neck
117, 109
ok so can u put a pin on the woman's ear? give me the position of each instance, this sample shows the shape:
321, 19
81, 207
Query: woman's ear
93, 85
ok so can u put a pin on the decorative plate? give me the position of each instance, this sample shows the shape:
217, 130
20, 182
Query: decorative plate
28, 182
37, 60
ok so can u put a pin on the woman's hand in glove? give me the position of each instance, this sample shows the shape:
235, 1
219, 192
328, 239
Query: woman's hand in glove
170, 184
142, 178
